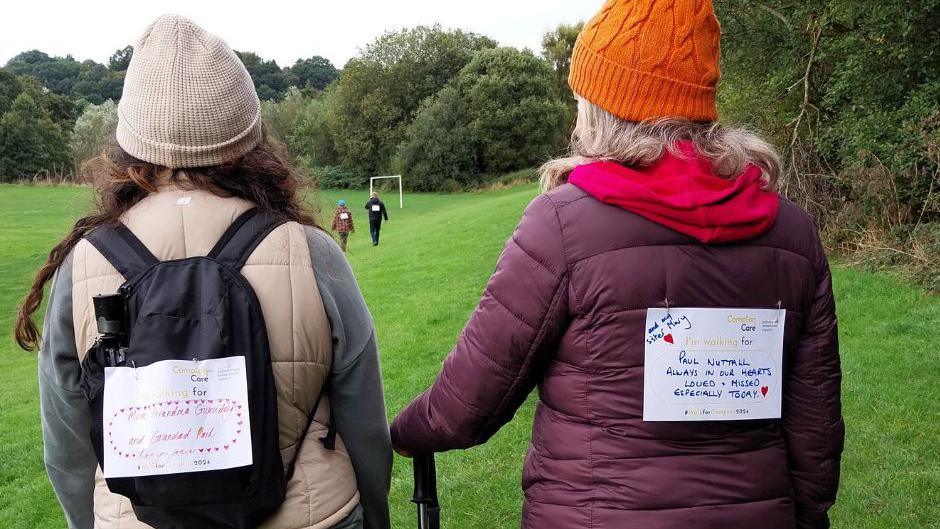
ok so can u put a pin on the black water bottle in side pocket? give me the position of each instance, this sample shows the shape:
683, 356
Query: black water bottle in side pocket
111, 346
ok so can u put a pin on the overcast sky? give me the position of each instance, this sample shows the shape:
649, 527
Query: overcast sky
275, 29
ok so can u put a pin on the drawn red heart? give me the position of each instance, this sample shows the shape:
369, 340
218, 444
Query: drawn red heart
188, 401
226, 447
764, 390
202, 449
668, 338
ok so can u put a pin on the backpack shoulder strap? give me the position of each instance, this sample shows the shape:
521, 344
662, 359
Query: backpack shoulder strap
122, 249
329, 440
243, 237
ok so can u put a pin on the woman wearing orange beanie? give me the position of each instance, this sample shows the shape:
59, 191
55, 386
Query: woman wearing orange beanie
659, 218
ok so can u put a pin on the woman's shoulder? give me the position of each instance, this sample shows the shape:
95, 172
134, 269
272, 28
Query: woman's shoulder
325, 253
320, 241
797, 231
565, 195
792, 213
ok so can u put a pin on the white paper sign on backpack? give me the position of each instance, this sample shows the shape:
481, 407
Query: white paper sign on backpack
713, 364
176, 416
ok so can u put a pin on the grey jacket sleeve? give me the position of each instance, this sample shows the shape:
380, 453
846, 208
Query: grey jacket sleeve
356, 388
66, 418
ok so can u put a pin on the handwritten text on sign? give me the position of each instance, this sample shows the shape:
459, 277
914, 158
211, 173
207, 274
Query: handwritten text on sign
713, 364
176, 416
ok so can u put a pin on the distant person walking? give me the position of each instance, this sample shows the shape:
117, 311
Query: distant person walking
660, 216
343, 223
377, 212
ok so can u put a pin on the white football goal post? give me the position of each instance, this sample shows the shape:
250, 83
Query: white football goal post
401, 197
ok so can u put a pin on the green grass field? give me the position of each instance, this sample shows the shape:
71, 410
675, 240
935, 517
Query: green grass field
421, 285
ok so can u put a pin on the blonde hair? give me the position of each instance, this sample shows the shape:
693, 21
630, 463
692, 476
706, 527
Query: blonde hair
600, 136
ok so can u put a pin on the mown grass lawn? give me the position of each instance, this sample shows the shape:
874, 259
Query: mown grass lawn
421, 285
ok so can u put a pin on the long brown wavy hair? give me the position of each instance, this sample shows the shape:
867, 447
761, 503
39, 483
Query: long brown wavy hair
264, 176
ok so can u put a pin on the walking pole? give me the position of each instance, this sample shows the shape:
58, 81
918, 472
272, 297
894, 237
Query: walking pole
425, 496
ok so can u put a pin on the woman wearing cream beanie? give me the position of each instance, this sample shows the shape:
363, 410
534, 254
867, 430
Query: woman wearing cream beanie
188, 100
192, 158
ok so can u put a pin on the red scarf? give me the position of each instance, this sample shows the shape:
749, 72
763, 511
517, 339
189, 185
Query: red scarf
682, 193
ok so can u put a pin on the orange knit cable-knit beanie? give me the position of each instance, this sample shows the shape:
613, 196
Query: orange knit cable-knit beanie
648, 59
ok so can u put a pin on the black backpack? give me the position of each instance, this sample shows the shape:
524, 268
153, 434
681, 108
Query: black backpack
193, 310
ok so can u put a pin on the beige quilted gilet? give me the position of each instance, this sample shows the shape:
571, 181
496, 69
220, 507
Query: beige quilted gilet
176, 224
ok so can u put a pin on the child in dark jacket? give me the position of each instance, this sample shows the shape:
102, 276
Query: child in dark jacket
343, 223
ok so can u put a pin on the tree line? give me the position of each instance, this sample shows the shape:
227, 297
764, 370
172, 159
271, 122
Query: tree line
447, 108
848, 90
57, 112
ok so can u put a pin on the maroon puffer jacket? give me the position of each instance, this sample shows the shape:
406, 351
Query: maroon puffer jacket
565, 311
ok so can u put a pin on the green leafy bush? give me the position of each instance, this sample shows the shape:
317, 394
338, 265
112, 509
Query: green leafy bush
315, 73
93, 133
850, 91
439, 152
333, 176
380, 91
31, 144
61, 109
503, 112
87, 80
299, 121
516, 114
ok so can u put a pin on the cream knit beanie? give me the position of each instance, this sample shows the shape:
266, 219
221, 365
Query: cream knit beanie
188, 100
